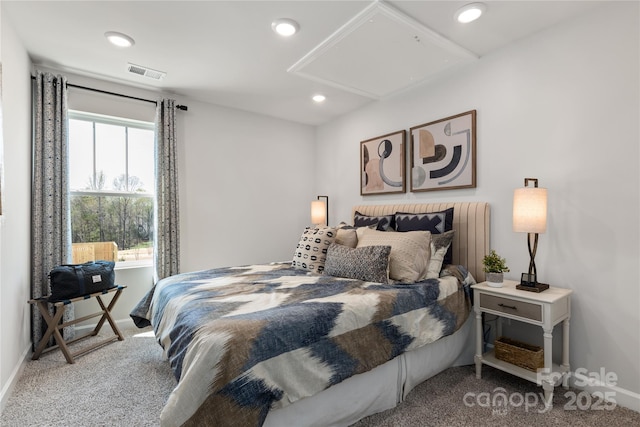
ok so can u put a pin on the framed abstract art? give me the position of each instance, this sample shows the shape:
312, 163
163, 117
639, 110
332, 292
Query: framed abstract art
382, 163
443, 153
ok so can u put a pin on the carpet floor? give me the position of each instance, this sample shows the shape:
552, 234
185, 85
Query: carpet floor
127, 383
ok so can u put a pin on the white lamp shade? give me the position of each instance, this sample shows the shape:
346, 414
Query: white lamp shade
318, 212
530, 210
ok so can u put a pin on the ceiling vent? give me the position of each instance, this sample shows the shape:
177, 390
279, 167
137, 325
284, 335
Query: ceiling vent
146, 72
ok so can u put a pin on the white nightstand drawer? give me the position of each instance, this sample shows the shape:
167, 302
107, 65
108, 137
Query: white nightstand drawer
509, 306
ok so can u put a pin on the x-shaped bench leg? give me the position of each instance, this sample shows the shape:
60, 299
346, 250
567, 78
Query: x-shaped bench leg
107, 316
52, 329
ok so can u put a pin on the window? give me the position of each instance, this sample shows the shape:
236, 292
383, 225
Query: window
111, 178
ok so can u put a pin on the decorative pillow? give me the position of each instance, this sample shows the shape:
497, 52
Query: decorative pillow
311, 251
382, 222
410, 252
440, 243
370, 263
435, 222
346, 235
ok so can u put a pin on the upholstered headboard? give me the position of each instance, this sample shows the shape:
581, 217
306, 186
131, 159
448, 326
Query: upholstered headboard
470, 220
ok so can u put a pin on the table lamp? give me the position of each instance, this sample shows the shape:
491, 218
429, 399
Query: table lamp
320, 211
530, 216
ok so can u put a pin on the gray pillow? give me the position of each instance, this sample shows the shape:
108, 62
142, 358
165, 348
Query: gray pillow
382, 222
440, 244
369, 263
435, 222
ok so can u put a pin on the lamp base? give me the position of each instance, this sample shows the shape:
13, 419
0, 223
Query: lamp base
536, 287
528, 279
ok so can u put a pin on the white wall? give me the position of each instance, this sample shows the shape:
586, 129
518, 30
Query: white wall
562, 106
15, 223
246, 184
2, 381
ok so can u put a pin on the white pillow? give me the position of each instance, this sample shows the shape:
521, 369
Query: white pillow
346, 235
410, 252
311, 251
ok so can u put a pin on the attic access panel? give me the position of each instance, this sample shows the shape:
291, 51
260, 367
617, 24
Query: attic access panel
378, 52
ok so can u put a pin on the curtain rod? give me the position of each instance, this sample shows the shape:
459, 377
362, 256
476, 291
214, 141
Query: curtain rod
179, 107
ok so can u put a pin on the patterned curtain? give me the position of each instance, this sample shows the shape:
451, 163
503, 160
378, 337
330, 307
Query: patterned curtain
167, 236
51, 222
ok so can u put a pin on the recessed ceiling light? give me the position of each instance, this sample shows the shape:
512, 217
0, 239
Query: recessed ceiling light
319, 98
469, 12
285, 27
119, 39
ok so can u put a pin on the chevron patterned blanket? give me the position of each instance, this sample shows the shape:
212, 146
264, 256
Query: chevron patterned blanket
244, 340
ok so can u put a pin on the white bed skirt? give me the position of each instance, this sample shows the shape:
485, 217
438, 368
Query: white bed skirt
381, 388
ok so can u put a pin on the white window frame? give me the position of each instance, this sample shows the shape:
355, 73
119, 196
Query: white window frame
127, 123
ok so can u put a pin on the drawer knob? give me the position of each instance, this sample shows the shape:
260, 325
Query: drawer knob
512, 307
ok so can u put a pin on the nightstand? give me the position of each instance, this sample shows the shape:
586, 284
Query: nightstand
545, 309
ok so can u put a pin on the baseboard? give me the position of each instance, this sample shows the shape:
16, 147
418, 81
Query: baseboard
121, 323
6, 391
610, 392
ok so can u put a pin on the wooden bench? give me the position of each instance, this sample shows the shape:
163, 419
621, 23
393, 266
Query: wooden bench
54, 324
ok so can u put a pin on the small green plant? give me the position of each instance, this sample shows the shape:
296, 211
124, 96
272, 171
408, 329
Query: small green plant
493, 263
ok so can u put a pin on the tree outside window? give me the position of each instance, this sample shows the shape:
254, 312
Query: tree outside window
112, 188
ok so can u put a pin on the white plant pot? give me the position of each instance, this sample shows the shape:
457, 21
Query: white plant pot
495, 280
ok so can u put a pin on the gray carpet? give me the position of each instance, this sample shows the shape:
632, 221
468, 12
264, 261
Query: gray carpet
122, 384
126, 384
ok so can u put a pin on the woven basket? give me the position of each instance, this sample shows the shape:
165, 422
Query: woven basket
526, 356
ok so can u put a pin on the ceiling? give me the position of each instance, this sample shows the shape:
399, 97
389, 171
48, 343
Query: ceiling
225, 53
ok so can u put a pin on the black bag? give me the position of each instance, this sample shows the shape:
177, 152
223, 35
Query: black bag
74, 280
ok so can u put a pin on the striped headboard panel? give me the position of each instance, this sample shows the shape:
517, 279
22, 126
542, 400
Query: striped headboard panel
470, 220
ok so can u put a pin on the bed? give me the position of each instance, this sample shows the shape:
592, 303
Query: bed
278, 344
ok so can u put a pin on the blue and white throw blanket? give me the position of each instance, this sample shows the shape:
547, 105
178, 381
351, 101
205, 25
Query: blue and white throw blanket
244, 340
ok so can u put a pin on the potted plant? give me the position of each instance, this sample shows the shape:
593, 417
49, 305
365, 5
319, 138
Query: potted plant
495, 267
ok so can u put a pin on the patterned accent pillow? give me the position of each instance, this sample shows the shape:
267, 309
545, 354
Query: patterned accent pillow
440, 243
435, 222
382, 222
346, 235
311, 251
410, 252
370, 263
